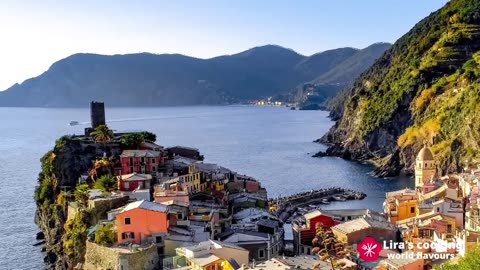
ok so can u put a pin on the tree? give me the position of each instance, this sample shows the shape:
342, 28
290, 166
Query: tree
105, 182
105, 236
132, 140
327, 247
102, 134
149, 136
471, 260
81, 193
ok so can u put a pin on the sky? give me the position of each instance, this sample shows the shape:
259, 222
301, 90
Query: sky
35, 34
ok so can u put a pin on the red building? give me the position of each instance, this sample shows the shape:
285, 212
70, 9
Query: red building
141, 161
130, 182
304, 233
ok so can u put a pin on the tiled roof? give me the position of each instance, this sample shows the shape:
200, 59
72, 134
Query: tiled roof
205, 260
136, 177
312, 214
146, 205
362, 223
140, 153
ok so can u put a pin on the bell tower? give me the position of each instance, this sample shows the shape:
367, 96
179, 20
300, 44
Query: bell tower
425, 167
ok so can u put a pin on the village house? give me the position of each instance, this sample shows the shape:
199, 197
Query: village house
354, 231
141, 161
264, 239
143, 222
402, 264
351, 214
304, 262
164, 195
304, 232
179, 212
133, 181
208, 255
400, 205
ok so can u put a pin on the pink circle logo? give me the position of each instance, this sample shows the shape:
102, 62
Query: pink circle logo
369, 249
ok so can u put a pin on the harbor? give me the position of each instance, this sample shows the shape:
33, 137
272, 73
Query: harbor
288, 207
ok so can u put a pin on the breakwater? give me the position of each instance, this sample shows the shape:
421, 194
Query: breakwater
285, 207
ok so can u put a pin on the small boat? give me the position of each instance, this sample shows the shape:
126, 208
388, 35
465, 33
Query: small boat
325, 201
312, 206
74, 123
339, 198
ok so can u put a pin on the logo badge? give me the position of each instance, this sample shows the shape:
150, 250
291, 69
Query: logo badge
369, 249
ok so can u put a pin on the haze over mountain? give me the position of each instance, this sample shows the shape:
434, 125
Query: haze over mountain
424, 90
342, 71
171, 79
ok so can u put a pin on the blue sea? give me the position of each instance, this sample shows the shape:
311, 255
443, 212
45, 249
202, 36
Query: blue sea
272, 144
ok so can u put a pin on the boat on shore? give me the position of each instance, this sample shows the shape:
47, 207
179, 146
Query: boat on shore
339, 198
325, 201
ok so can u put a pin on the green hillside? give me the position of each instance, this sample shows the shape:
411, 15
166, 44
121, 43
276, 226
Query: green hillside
424, 89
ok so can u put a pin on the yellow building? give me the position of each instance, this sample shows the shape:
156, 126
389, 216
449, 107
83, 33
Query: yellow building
400, 205
425, 167
210, 255
191, 182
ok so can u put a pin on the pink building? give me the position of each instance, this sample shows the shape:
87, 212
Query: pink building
141, 161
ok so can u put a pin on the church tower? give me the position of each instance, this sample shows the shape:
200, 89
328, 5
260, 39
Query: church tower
425, 167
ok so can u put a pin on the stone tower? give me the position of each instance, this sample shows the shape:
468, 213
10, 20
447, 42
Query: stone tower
425, 167
97, 114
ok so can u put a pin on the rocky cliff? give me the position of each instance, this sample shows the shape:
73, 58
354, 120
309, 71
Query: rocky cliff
423, 90
61, 169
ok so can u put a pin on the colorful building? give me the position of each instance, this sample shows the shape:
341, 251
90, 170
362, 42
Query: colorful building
400, 205
304, 233
209, 255
142, 221
354, 231
133, 181
141, 161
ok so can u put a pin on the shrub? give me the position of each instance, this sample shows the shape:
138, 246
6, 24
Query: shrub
81, 193
105, 236
106, 183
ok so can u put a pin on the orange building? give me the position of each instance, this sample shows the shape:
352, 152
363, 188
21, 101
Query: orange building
142, 221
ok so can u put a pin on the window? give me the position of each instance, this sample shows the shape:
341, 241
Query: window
128, 235
179, 216
126, 185
127, 221
153, 160
153, 168
449, 228
131, 169
438, 209
412, 210
261, 253
143, 160
158, 239
131, 161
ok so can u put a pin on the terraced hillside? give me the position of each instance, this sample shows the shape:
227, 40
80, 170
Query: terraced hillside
424, 90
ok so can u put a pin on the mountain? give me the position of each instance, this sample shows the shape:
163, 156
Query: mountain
171, 79
341, 73
425, 89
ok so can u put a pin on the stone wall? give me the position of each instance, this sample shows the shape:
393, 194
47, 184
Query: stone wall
104, 258
103, 205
